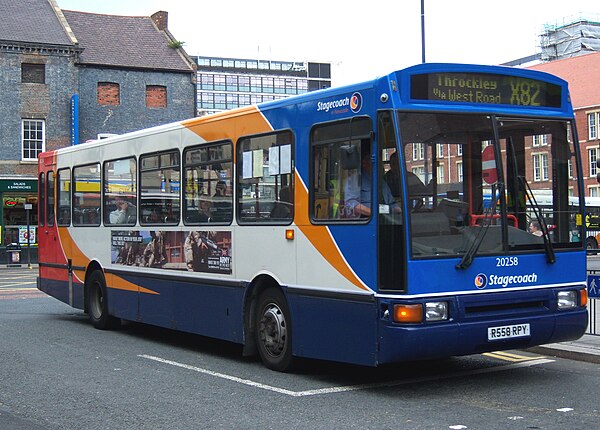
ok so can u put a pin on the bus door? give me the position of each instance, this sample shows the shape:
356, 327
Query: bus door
48, 240
391, 236
50, 253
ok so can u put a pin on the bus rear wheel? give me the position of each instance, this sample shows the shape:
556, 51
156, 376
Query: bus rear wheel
97, 303
590, 243
273, 331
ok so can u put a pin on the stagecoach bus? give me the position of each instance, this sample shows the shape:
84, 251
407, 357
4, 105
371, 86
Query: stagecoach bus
373, 223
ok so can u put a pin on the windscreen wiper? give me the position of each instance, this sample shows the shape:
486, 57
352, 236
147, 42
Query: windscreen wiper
550, 257
476, 243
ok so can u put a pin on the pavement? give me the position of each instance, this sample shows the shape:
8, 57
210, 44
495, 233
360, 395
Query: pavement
586, 348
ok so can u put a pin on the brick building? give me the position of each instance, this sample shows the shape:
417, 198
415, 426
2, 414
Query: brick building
129, 76
582, 74
68, 77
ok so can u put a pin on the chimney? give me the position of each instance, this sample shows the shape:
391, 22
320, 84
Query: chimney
160, 19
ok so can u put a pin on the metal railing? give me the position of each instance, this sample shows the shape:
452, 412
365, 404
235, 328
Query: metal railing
593, 309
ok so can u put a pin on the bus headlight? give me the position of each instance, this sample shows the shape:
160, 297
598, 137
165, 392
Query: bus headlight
436, 311
567, 299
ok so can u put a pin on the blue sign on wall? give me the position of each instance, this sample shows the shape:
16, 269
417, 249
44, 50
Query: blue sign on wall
74, 119
593, 284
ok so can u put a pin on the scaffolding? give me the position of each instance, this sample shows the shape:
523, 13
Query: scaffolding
570, 37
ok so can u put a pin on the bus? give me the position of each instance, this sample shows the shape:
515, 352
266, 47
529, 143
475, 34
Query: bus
381, 222
592, 223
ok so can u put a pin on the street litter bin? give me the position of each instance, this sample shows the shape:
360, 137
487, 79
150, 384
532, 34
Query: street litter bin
14, 255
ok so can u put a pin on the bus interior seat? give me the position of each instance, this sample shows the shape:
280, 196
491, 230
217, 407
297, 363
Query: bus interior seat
454, 209
430, 224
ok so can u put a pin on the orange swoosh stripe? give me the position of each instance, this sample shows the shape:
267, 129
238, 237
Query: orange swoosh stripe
321, 238
80, 259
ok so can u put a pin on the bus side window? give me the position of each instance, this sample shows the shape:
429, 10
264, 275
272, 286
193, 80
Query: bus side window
86, 195
63, 179
120, 192
159, 188
266, 178
208, 187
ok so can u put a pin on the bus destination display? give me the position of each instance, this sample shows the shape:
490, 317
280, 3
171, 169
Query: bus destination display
484, 88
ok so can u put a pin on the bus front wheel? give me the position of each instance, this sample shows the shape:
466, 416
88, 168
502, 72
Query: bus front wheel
97, 303
274, 331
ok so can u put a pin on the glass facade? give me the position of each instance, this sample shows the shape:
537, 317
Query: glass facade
229, 83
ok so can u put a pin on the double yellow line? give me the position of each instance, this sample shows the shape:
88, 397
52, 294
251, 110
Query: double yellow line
507, 356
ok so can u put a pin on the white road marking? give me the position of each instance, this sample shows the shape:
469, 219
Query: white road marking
344, 388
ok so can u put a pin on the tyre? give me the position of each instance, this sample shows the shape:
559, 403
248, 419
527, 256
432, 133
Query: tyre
97, 303
590, 243
273, 330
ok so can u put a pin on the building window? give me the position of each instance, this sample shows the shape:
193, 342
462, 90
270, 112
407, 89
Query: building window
593, 125
33, 138
440, 174
593, 156
33, 73
109, 94
207, 82
540, 140
540, 167
156, 96
593, 191
459, 170
418, 151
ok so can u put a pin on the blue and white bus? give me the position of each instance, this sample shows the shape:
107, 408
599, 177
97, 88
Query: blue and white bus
352, 224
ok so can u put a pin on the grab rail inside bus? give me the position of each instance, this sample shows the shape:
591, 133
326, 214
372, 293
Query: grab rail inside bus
476, 218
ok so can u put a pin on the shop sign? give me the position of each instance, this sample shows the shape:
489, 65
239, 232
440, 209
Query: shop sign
18, 185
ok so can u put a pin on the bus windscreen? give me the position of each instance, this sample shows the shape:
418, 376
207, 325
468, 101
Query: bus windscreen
484, 88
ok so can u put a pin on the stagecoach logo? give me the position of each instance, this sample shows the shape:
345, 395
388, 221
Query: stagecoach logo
480, 281
356, 102
341, 105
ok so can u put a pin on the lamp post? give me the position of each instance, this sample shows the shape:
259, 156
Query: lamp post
28, 207
422, 31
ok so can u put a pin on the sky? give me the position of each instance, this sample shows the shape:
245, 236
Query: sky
361, 40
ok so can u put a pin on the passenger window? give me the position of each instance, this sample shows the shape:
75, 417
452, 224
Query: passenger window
208, 187
63, 212
120, 192
159, 188
86, 195
265, 178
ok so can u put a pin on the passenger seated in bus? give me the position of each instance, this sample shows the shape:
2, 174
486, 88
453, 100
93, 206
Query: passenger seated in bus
534, 228
415, 187
281, 208
392, 176
204, 209
125, 212
358, 190
222, 204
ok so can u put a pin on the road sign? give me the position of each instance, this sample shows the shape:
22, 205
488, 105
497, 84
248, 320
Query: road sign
593, 285
488, 165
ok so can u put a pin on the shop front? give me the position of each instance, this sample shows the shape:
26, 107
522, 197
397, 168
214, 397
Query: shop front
19, 211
